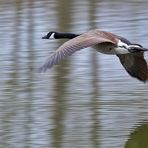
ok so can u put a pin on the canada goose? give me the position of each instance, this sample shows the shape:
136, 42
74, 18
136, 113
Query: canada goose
130, 55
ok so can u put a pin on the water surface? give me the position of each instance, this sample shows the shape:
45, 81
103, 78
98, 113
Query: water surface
88, 100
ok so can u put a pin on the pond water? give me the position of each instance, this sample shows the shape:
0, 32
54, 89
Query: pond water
88, 100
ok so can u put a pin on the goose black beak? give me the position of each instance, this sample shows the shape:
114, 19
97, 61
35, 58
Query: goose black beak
45, 37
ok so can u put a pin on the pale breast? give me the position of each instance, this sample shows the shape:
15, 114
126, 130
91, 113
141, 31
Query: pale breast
105, 48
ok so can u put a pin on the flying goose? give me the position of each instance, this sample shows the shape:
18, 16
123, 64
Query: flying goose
130, 55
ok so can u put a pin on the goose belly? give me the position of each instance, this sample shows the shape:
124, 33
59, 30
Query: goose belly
105, 50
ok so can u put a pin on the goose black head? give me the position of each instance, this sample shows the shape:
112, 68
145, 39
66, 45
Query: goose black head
50, 35
137, 48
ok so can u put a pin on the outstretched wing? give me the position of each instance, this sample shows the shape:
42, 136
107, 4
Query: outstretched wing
83, 41
135, 65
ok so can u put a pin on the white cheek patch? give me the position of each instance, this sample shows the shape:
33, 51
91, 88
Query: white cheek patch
122, 48
134, 46
52, 36
120, 43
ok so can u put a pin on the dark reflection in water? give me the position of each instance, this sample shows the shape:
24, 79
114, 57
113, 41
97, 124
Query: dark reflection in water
139, 137
61, 80
88, 100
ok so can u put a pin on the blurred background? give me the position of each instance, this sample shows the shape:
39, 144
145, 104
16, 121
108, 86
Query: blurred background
88, 100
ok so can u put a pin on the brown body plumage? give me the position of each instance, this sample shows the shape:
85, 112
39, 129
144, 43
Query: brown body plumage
130, 55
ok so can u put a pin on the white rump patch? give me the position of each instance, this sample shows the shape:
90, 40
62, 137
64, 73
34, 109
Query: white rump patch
122, 48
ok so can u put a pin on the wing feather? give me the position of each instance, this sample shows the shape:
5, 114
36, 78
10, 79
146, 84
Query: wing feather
83, 41
135, 65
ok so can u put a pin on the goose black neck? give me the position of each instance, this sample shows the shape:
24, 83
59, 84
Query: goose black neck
65, 35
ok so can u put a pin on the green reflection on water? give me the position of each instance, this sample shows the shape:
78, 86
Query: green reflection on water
138, 138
